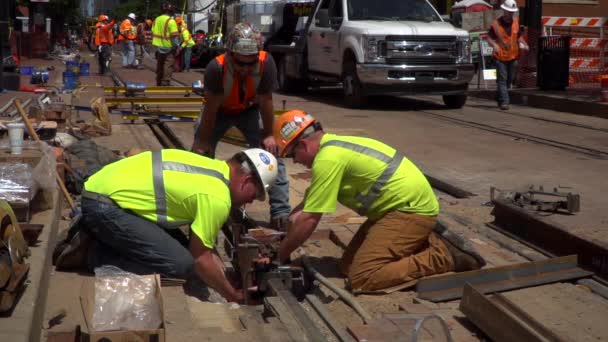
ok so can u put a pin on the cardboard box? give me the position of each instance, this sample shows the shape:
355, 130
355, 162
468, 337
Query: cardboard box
87, 301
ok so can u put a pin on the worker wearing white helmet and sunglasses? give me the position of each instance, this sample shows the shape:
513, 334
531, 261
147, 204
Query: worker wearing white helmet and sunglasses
132, 209
506, 39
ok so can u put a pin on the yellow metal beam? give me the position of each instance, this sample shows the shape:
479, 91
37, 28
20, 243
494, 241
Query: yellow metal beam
154, 100
150, 90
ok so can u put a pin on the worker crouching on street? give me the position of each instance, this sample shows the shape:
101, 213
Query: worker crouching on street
397, 243
186, 43
506, 39
165, 37
128, 35
104, 39
238, 89
131, 218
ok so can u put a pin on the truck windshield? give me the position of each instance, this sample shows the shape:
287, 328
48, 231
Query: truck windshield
413, 10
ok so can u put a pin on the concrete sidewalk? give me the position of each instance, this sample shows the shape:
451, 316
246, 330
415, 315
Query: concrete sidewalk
576, 101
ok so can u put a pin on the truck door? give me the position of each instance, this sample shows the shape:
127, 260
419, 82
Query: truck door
333, 51
317, 38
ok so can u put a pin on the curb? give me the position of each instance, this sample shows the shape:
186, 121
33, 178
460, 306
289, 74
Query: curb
546, 101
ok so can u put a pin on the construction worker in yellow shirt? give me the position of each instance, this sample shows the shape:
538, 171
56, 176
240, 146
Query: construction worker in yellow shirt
186, 43
165, 37
400, 241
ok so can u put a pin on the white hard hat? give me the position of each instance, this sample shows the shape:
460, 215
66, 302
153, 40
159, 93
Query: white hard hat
265, 166
509, 6
132, 16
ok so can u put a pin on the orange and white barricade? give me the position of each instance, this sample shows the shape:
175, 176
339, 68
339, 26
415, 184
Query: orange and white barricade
588, 47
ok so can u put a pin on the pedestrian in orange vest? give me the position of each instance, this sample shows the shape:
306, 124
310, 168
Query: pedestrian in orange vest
104, 39
143, 39
128, 35
505, 38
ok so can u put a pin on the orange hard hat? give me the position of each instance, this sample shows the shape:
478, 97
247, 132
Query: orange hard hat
289, 126
102, 18
179, 20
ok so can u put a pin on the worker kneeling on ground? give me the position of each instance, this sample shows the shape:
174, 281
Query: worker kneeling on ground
397, 243
130, 218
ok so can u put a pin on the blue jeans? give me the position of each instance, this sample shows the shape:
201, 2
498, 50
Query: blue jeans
187, 53
132, 243
249, 123
128, 52
505, 72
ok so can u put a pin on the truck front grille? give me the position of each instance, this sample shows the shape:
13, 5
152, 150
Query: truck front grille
419, 50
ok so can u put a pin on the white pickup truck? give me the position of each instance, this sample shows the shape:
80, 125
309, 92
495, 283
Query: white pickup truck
399, 47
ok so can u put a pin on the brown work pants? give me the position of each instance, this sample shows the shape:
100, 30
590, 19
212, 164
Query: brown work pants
396, 249
164, 68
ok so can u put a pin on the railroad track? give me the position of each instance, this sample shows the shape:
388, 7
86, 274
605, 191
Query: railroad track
595, 153
538, 118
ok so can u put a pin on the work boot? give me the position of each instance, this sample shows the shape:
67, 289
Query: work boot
280, 223
504, 106
75, 253
463, 253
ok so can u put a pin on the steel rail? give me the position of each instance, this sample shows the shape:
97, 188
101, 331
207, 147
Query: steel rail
151, 90
548, 142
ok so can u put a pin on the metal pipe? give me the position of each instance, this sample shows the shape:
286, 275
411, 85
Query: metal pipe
344, 295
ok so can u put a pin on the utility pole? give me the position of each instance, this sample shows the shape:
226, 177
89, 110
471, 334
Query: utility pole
533, 21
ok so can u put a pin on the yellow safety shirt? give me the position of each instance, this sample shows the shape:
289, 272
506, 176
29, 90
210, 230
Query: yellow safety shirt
170, 188
186, 38
163, 29
368, 177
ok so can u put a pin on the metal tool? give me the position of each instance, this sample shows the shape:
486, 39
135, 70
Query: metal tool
539, 199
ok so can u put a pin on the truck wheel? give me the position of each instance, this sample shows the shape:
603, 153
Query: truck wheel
455, 101
286, 84
354, 96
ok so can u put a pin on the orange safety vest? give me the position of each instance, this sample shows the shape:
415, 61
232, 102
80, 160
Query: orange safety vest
103, 34
232, 84
508, 44
126, 31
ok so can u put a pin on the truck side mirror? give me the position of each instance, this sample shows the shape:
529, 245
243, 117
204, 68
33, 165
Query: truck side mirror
322, 18
336, 22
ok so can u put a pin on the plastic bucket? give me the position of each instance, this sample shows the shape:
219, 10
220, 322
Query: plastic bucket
72, 66
70, 80
26, 70
84, 69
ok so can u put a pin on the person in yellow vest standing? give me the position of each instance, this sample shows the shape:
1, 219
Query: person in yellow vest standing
400, 241
238, 90
165, 37
506, 39
131, 219
187, 44
127, 36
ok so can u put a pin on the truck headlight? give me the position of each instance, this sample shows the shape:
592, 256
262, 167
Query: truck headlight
372, 48
463, 49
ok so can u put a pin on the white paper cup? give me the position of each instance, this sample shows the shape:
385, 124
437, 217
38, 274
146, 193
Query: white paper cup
15, 134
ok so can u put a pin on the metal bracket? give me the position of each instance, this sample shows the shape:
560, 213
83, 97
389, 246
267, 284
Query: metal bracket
539, 199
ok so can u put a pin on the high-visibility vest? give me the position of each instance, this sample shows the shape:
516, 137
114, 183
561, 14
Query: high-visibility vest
232, 85
127, 30
508, 46
186, 38
163, 29
104, 34
166, 185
